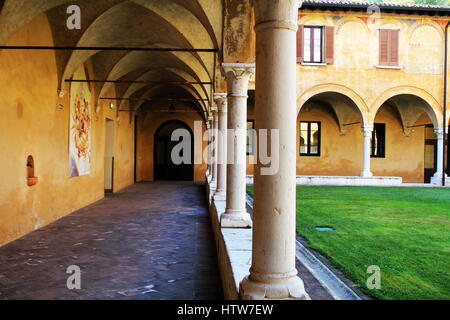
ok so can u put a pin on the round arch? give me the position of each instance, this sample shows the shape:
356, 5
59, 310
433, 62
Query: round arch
430, 23
433, 108
313, 20
177, 91
342, 22
164, 166
339, 89
157, 15
392, 21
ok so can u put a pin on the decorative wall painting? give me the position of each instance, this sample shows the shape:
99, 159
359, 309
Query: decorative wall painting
80, 130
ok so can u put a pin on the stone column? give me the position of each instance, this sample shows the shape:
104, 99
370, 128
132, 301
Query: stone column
273, 274
215, 125
437, 178
209, 125
221, 138
238, 75
367, 131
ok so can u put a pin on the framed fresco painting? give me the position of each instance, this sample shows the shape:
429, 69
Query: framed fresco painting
80, 126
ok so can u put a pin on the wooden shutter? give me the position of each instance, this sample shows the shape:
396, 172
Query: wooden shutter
393, 47
300, 44
389, 47
384, 48
329, 45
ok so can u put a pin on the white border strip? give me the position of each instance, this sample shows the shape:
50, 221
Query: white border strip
335, 286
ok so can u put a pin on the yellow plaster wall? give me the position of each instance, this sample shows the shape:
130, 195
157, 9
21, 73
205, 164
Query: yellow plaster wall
404, 153
31, 124
239, 36
148, 124
123, 151
356, 55
340, 155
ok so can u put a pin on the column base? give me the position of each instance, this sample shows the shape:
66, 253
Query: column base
235, 219
437, 180
212, 186
220, 195
286, 289
366, 174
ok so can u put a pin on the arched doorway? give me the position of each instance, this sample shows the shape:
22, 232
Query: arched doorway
164, 166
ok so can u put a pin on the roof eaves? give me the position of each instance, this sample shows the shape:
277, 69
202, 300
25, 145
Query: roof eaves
382, 6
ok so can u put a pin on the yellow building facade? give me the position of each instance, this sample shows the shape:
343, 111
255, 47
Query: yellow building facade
356, 88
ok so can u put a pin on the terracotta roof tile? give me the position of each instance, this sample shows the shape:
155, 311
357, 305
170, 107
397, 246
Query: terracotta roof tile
382, 5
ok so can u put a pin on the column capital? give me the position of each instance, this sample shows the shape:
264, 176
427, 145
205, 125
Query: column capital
219, 96
367, 129
238, 76
439, 131
221, 101
275, 14
240, 71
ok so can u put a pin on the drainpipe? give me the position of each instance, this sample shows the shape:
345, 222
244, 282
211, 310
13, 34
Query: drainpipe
445, 98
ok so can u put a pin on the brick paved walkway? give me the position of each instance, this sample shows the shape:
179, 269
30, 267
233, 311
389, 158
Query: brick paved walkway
150, 241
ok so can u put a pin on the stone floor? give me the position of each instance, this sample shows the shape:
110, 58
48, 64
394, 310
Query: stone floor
150, 241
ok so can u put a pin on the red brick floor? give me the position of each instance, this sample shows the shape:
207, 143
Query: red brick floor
150, 241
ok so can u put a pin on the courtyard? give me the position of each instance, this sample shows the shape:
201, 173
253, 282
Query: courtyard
126, 158
404, 231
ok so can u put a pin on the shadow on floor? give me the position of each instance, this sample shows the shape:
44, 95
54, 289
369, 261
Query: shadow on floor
150, 241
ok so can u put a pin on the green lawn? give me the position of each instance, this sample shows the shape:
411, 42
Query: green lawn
405, 231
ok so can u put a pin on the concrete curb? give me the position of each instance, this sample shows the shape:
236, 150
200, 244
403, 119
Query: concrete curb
335, 286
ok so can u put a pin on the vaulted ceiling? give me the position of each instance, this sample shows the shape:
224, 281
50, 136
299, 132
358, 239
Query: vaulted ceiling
409, 109
342, 108
180, 24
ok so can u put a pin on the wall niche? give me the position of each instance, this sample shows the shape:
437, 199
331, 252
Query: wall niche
31, 178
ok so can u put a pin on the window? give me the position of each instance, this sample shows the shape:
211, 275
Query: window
430, 148
312, 44
315, 44
378, 141
388, 51
250, 137
310, 138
